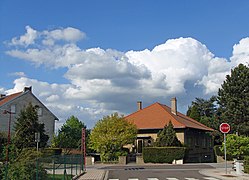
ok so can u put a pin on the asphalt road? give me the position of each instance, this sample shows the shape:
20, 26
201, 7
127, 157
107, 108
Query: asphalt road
162, 172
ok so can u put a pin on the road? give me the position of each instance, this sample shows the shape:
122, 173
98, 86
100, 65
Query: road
162, 172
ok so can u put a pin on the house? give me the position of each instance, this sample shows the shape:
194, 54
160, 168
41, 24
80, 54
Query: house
14, 103
152, 119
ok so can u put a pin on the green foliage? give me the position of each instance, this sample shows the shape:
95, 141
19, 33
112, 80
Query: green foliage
26, 126
162, 154
51, 151
233, 98
246, 164
3, 141
167, 137
25, 166
236, 146
110, 134
69, 136
206, 112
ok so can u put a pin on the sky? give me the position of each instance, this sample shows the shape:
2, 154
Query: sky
93, 58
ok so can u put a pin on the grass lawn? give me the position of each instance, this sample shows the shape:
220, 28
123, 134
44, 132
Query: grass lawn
58, 177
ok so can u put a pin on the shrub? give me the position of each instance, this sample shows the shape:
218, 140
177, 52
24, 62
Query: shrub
163, 154
51, 151
246, 164
25, 166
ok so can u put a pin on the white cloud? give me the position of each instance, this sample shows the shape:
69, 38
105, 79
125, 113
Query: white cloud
20, 74
103, 81
26, 39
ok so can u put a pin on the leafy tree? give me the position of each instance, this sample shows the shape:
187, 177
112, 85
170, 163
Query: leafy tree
25, 128
167, 137
233, 98
236, 146
110, 134
69, 136
207, 113
3, 140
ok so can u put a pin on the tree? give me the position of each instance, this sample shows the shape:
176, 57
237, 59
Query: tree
236, 146
233, 98
25, 128
69, 136
167, 137
110, 134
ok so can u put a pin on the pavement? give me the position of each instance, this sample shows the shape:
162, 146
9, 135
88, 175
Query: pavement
218, 171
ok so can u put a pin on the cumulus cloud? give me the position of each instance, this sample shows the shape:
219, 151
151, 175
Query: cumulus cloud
103, 81
26, 39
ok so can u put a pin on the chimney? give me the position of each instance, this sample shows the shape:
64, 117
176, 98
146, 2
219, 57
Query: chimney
2, 95
139, 105
27, 89
174, 106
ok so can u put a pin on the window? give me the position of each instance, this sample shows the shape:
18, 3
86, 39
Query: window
13, 108
39, 111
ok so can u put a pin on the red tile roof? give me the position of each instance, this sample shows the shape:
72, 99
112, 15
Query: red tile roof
157, 115
9, 98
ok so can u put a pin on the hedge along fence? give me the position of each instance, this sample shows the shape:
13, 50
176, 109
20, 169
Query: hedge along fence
246, 164
163, 154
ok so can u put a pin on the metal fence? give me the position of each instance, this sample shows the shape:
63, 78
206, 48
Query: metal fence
56, 167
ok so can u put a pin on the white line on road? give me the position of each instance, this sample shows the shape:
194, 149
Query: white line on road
172, 179
210, 178
152, 179
191, 179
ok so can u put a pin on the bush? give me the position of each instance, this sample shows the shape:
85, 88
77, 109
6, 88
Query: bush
162, 154
51, 151
246, 164
25, 166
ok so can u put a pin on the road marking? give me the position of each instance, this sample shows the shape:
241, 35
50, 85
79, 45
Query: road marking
172, 179
133, 179
113, 179
191, 179
210, 178
152, 178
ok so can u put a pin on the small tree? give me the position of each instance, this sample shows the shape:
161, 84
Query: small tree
236, 146
69, 136
110, 134
167, 137
25, 128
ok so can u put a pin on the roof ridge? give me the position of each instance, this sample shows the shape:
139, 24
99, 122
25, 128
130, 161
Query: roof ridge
171, 114
141, 109
10, 97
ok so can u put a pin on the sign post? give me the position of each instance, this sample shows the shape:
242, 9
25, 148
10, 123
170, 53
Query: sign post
225, 128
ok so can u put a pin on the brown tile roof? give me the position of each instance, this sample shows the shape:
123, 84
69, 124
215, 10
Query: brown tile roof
9, 98
157, 115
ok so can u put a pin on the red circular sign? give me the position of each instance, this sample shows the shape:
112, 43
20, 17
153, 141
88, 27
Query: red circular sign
224, 127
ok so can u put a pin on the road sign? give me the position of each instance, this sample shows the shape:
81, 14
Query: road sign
224, 128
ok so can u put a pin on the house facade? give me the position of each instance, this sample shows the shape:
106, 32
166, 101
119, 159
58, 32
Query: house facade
194, 135
14, 103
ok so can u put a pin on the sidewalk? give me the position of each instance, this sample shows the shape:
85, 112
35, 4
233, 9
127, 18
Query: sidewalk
96, 173
219, 172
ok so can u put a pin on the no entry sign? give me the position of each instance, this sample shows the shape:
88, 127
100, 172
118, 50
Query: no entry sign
224, 128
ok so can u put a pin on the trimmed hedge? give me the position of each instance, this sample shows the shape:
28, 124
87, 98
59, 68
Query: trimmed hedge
51, 151
163, 154
246, 164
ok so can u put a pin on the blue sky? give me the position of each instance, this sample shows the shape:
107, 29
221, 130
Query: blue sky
92, 58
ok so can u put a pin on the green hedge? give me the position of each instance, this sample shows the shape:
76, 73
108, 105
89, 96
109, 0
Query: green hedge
51, 151
246, 164
163, 154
